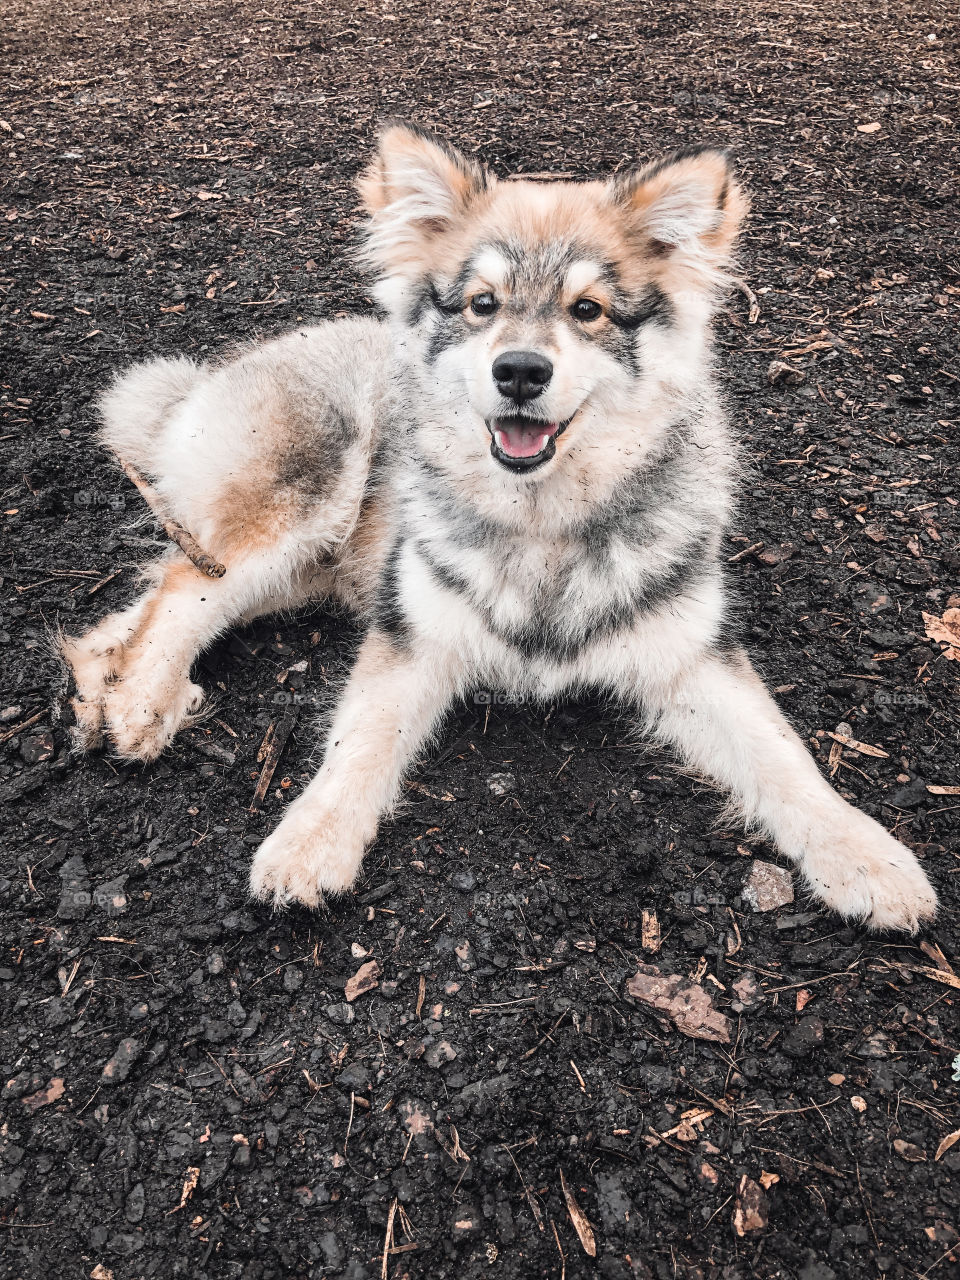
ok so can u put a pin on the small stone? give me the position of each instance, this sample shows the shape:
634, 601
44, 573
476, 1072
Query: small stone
133, 1206
111, 896
464, 954
779, 373
836, 1079
747, 991
502, 784
75, 896
118, 1068
439, 1053
464, 881
767, 886
804, 1038
292, 978
343, 1014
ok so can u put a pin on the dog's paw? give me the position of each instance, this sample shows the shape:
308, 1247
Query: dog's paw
311, 855
143, 713
93, 661
866, 875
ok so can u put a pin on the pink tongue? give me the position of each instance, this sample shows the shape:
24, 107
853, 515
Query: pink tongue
524, 442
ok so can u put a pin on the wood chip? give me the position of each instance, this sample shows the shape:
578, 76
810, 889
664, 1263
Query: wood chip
685, 1003
271, 749
649, 931
189, 1185
579, 1219
945, 630
365, 979
43, 1097
864, 748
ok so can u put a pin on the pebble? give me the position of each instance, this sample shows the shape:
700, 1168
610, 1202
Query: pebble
440, 1053
767, 886
804, 1038
502, 784
75, 897
135, 1203
111, 896
118, 1067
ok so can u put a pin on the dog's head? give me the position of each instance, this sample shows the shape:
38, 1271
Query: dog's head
540, 306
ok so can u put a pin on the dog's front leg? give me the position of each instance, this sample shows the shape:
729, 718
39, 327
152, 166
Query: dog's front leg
726, 725
393, 700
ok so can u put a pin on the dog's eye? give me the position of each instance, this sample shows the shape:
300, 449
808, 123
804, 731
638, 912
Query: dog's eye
586, 309
484, 304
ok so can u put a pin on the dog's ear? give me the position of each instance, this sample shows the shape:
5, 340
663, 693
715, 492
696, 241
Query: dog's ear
689, 201
414, 191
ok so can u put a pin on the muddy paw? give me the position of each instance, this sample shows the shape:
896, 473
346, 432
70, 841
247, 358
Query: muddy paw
142, 716
93, 662
308, 857
867, 875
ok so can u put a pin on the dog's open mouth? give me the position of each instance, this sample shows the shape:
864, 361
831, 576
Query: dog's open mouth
522, 443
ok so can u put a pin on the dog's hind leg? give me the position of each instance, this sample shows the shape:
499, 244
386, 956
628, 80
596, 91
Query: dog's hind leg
148, 695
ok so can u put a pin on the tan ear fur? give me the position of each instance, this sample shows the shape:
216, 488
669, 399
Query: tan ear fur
414, 191
690, 200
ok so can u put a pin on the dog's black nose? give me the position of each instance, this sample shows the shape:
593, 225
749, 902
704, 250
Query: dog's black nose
521, 375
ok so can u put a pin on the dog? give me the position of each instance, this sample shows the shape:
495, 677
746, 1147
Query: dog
520, 480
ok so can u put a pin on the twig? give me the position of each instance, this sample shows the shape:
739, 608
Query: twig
24, 724
747, 551
271, 749
172, 528
388, 1241
754, 313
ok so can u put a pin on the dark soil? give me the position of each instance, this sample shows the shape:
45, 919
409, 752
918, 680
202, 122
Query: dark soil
185, 1089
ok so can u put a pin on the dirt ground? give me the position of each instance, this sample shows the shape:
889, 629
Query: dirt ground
186, 1088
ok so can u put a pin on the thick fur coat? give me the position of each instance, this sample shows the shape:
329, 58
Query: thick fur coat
520, 480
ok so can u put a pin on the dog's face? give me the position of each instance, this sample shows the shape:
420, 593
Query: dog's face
535, 307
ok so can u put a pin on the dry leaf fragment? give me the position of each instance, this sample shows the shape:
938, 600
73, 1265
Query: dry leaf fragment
685, 1003
946, 1143
189, 1185
945, 630
935, 952
365, 979
100, 1272
909, 1151
872, 127
579, 1219
943, 791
